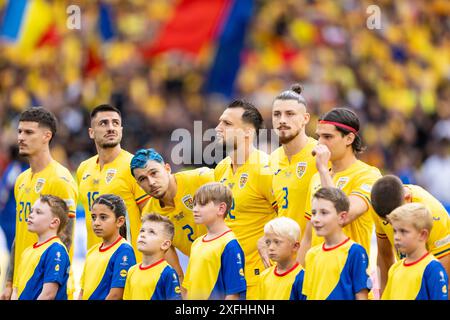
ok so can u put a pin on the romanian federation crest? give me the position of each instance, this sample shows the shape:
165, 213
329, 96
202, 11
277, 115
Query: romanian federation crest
243, 180
39, 185
341, 182
301, 169
188, 202
110, 175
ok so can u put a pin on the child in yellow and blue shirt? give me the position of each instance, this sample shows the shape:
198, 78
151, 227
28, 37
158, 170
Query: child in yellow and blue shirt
337, 268
284, 280
216, 265
419, 276
43, 270
107, 263
154, 278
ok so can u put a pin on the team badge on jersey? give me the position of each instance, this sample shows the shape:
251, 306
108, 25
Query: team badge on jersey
243, 180
301, 169
110, 175
341, 182
39, 185
188, 202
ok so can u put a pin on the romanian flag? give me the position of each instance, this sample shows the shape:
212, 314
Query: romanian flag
29, 24
199, 24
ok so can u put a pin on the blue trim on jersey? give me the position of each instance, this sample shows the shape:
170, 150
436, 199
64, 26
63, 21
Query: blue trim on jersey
353, 277
166, 288
111, 277
229, 280
45, 272
433, 279
297, 287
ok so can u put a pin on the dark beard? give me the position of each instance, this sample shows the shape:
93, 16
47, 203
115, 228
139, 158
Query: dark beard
286, 140
109, 145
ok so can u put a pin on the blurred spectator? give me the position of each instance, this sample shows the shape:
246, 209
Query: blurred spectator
396, 78
435, 172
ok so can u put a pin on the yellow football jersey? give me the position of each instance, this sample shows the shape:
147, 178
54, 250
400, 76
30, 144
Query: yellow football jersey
215, 268
106, 268
253, 206
158, 281
55, 180
282, 286
186, 230
439, 240
336, 273
115, 178
424, 279
291, 181
358, 180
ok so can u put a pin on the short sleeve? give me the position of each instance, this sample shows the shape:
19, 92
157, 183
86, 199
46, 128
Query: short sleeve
358, 272
297, 287
124, 258
56, 264
436, 281
363, 185
66, 189
172, 289
233, 264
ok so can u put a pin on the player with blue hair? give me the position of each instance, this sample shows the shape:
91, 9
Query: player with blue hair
172, 195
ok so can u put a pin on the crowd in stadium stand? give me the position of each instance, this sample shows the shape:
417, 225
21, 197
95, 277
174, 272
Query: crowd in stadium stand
396, 79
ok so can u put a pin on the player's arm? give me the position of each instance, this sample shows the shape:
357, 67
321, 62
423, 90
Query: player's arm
14, 294
385, 259
234, 296
171, 257
142, 204
80, 296
323, 154
305, 244
49, 291
7, 292
263, 251
115, 294
357, 208
362, 295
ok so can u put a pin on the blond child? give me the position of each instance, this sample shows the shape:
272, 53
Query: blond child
284, 280
419, 276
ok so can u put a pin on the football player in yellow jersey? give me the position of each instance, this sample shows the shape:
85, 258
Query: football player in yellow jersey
172, 196
246, 171
292, 163
37, 127
339, 142
389, 193
109, 172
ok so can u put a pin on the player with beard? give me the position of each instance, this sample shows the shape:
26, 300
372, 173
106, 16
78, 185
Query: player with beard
37, 127
109, 172
292, 163
247, 173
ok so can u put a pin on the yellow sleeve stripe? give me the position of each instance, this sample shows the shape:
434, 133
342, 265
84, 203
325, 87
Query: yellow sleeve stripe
363, 196
307, 215
142, 199
442, 253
